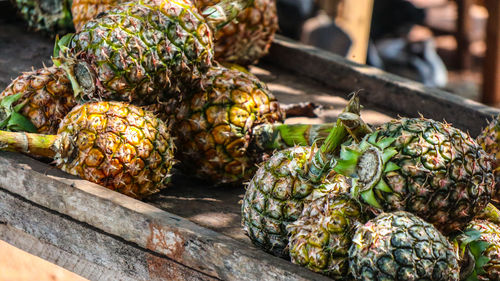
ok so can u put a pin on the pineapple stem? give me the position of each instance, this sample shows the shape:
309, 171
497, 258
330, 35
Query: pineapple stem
222, 13
35, 144
268, 137
348, 123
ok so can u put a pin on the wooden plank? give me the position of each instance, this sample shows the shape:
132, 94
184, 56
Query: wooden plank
491, 64
355, 18
151, 229
80, 248
381, 90
464, 23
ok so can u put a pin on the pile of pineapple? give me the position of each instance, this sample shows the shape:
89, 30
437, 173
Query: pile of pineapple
138, 89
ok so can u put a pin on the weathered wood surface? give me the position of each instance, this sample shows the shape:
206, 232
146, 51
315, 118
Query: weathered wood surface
191, 229
77, 204
383, 91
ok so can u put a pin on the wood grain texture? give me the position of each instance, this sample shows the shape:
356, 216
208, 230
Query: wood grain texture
381, 90
151, 229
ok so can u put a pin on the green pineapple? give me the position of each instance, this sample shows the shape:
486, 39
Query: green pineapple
479, 249
143, 51
320, 238
489, 139
421, 166
290, 178
50, 16
401, 246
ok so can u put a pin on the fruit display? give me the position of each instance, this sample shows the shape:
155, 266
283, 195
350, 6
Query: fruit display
479, 248
246, 39
320, 238
421, 166
489, 139
50, 16
143, 51
243, 41
114, 144
401, 246
36, 101
290, 178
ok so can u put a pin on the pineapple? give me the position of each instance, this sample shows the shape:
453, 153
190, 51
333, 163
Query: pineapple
290, 178
143, 51
114, 144
214, 126
320, 238
247, 38
401, 246
41, 98
421, 166
479, 249
50, 16
489, 139
85, 10
242, 41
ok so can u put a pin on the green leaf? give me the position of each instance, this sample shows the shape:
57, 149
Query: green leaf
17, 122
346, 168
470, 235
62, 45
7, 102
391, 166
385, 142
381, 185
369, 197
373, 138
388, 154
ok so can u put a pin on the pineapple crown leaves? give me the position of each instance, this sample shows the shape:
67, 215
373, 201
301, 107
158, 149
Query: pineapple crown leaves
366, 163
11, 119
469, 243
222, 13
61, 46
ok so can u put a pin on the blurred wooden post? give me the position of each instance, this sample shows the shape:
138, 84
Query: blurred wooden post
464, 21
355, 18
491, 65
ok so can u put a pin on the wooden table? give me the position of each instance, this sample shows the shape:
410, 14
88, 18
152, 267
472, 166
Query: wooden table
191, 230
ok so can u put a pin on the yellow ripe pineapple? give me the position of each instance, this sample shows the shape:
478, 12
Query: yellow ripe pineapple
43, 96
213, 127
116, 145
85, 10
247, 38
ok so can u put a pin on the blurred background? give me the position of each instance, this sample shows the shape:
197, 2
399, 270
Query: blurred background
449, 44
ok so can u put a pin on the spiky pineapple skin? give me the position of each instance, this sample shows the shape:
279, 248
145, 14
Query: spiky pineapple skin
276, 195
401, 246
85, 10
141, 52
50, 16
442, 174
248, 38
489, 139
117, 145
490, 233
320, 238
47, 95
213, 126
